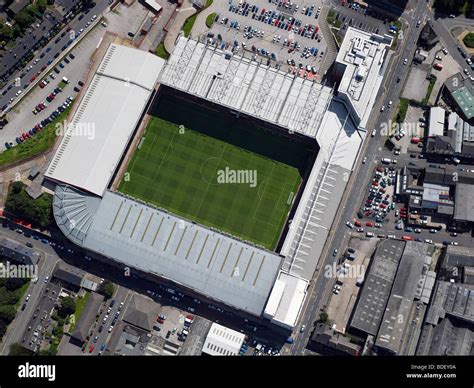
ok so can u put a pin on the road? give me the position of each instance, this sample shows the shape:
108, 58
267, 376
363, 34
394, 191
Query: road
120, 296
442, 27
54, 48
47, 262
320, 289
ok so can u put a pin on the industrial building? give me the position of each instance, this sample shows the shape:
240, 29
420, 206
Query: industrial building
440, 192
222, 341
398, 277
448, 328
18, 252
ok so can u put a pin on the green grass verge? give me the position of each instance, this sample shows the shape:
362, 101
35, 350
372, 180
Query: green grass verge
21, 292
210, 19
429, 91
80, 304
331, 16
402, 110
464, 9
161, 51
180, 171
469, 40
188, 25
41, 142
209, 3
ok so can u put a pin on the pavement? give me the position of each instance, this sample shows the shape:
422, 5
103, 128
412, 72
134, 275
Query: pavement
186, 10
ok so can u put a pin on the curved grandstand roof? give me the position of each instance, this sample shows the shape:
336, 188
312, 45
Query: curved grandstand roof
105, 119
74, 212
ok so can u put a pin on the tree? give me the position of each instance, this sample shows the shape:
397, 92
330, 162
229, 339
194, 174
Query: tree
13, 284
24, 19
323, 317
469, 40
7, 313
68, 306
107, 289
37, 211
17, 350
7, 297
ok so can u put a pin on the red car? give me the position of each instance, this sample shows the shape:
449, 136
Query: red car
159, 320
383, 206
370, 224
91, 349
32, 78
357, 223
43, 68
407, 238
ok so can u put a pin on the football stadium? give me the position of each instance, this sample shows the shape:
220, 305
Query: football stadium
213, 171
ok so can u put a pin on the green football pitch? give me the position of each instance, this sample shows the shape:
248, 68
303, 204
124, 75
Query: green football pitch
213, 180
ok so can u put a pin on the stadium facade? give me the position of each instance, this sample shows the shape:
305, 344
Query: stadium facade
203, 260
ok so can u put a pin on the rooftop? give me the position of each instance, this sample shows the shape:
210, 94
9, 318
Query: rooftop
453, 299
105, 119
246, 86
286, 300
410, 270
436, 125
451, 337
464, 208
222, 341
143, 237
377, 286
362, 54
462, 91
87, 318
18, 252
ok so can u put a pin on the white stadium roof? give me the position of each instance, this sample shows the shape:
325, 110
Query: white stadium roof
105, 119
137, 235
247, 86
286, 300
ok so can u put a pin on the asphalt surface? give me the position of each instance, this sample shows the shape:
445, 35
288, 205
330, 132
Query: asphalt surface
320, 288
21, 118
47, 262
54, 48
120, 296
